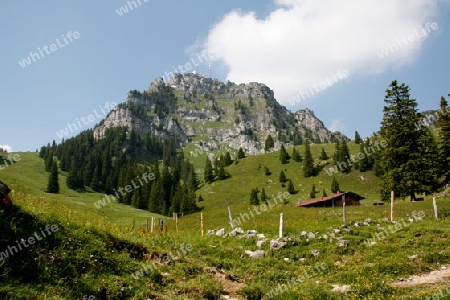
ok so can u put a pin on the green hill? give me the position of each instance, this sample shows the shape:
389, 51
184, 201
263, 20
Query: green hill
100, 253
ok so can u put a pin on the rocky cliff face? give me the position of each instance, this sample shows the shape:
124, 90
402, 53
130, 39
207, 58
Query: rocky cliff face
214, 114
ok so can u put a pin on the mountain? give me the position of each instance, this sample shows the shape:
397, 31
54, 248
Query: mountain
212, 114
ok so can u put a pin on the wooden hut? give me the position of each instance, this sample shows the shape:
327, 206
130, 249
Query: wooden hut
333, 200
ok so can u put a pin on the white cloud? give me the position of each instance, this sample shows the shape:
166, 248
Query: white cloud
6, 147
302, 42
337, 125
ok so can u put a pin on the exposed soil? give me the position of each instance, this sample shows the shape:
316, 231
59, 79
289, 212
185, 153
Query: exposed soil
436, 276
231, 284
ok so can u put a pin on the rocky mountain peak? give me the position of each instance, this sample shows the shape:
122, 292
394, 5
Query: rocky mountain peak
212, 114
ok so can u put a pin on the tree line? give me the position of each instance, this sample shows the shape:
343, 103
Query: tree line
123, 157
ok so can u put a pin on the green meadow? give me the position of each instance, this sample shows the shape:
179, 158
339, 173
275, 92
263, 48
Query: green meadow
109, 254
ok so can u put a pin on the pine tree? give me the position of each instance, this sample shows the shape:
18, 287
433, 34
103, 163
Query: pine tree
334, 185
227, 159
296, 155
443, 129
282, 177
267, 171
53, 184
283, 155
254, 197
323, 155
263, 196
407, 160
291, 188
312, 194
324, 194
308, 163
208, 173
200, 198
269, 143
357, 138
345, 164
241, 153
73, 181
95, 180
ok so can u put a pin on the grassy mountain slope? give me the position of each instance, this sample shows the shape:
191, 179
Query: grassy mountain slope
97, 254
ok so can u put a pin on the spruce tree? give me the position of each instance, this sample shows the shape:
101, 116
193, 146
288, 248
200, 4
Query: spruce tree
227, 159
241, 153
357, 138
296, 155
282, 177
312, 194
443, 130
53, 184
323, 155
208, 173
291, 188
344, 164
334, 185
263, 196
73, 180
254, 197
269, 143
324, 194
267, 171
308, 163
283, 155
407, 160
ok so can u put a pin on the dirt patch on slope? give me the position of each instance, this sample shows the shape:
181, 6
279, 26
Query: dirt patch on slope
437, 276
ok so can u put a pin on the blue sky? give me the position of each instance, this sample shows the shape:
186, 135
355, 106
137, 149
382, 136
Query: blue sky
290, 45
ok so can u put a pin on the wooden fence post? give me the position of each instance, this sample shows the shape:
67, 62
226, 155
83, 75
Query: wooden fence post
231, 218
280, 231
152, 225
201, 223
435, 209
344, 212
176, 222
392, 205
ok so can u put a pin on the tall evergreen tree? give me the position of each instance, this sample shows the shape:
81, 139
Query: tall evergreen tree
269, 143
357, 138
241, 153
443, 129
254, 197
308, 163
282, 177
263, 196
296, 155
73, 181
408, 160
344, 164
312, 194
208, 172
283, 155
334, 185
290, 187
323, 155
227, 159
53, 184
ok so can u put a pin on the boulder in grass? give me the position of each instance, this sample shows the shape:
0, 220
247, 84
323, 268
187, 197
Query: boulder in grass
220, 232
275, 245
256, 253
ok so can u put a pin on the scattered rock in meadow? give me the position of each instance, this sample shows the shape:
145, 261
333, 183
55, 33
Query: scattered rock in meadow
341, 288
210, 232
315, 253
220, 232
342, 243
260, 243
275, 245
256, 253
